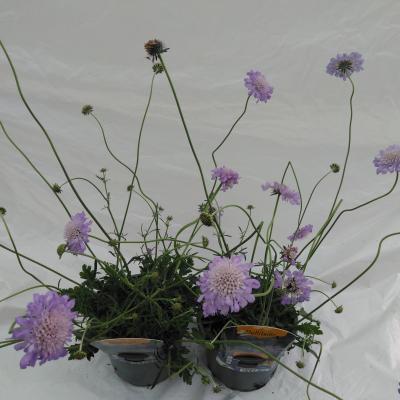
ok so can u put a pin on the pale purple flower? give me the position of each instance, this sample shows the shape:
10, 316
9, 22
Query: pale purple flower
77, 233
226, 285
258, 86
301, 233
295, 287
227, 177
286, 194
343, 65
45, 328
289, 254
388, 160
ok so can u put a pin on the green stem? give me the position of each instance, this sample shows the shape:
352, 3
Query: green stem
39, 263
50, 142
16, 252
353, 280
184, 126
314, 369
230, 131
26, 290
134, 176
348, 144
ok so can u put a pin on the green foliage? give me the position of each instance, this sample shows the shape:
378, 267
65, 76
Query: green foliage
155, 303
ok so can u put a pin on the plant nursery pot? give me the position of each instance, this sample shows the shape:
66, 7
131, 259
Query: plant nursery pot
139, 361
240, 366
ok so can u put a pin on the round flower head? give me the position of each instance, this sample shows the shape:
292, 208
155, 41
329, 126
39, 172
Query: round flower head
388, 160
289, 254
45, 328
282, 190
227, 177
154, 48
301, 233
77, 233
257, 86
343, 65
295, 287
226, 285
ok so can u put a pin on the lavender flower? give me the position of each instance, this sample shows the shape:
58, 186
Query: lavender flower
227, 177
77, 233
45, 328
388, 160
295, 287
282, 190
301, 233
289, 254
226, 285
258, 87
343, 65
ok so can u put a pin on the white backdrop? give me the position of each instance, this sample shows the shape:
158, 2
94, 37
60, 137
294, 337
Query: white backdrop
69, 53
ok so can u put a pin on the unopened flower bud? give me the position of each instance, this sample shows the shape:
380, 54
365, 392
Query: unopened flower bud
87, 109
103, 170
154, 276
129, 188
299, 364
334, 284
205, 241
113, 243
206, 219
61, 249
134, 317
250, 207
335, 168
158, 68
78, 355
176, 307
209, 346
56, 188
3, 211
217, 388
339, 310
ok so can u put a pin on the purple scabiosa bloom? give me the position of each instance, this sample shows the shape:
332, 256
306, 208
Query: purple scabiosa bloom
226, 285
45, 328
227, 177
343, 65
301, 233
258, 86
282, 190
77, 233
289, 254
388, 160
295, 287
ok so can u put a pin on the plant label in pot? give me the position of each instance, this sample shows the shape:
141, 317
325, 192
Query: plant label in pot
139, 361
241, 366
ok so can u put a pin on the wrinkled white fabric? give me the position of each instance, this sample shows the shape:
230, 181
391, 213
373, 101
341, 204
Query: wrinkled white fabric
69, 53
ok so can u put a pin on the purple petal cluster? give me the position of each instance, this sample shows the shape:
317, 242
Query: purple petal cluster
388, 160
301, 233
257, 86
227, 177
289, 254
45, 328
226, 285
77, 233
295, 287
343, 65
282, 190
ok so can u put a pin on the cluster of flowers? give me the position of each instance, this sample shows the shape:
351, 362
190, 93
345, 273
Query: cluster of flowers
228, 283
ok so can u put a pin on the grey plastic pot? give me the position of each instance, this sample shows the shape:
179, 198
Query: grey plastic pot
139, 361
242, 367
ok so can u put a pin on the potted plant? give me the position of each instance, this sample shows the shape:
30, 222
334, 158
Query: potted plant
242, 296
